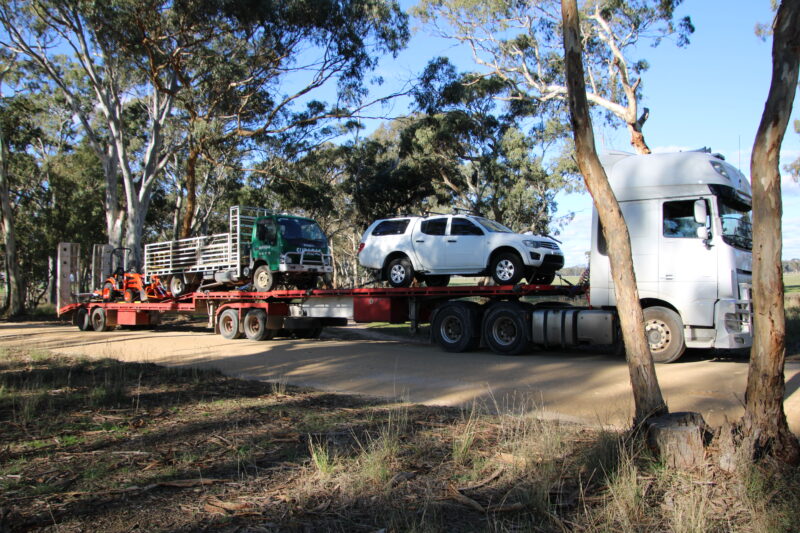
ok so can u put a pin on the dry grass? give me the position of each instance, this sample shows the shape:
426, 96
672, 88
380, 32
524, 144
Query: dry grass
101, 445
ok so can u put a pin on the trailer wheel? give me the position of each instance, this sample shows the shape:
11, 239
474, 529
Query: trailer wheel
399, 272
505, 329
664, 330
263, 280
229, 324
82, 319
177, 286
99, 321
255, 326
506, 268
454, 328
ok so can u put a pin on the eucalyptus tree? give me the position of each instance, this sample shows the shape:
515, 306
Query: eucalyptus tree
476, 152
764, 421
521, 42
249, 67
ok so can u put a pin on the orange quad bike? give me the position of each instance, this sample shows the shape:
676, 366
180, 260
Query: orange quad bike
130, 286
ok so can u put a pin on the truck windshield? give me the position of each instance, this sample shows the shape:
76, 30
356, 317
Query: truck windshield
737, 229
491, 225
301, 232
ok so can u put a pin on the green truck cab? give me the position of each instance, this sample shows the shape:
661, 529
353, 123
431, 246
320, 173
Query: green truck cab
262, 249
288, 247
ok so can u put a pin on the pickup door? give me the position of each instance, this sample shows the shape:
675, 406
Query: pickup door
445, 244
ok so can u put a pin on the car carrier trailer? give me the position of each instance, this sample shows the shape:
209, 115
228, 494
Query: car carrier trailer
503, 321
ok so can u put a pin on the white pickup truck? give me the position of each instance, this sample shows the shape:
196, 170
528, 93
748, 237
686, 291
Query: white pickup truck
432, 248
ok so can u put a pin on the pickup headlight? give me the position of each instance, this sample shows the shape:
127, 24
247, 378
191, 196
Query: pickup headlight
531, 244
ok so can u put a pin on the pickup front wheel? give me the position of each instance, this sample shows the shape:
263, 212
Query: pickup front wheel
399, 272
506, 268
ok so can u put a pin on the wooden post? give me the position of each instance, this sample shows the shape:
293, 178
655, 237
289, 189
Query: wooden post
67, 282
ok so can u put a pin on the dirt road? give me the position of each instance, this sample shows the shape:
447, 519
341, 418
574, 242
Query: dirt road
584, 387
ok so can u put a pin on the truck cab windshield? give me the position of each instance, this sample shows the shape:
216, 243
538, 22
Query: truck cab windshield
737, 230
301, 232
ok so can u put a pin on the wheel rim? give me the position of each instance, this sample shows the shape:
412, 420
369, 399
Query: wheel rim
398, 274
451, 329
97, 321
252, 325
263, 278
505, 270
226, 324
504, 331
658, 335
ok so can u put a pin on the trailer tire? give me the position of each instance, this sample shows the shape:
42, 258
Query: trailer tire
505, 329
99, 319
664, 331
82, 319
263, 280
177, 286
506, 268
455, 327
229, 324
255, 326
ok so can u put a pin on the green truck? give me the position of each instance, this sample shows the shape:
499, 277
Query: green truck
262, 249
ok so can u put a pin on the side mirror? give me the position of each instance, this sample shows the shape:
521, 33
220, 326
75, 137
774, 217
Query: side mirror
700, 211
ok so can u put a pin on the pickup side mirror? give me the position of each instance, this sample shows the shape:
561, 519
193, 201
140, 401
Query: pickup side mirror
700, 212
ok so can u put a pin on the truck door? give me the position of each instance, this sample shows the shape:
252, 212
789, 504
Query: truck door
687, 262
466, 245
264, 244
429, 244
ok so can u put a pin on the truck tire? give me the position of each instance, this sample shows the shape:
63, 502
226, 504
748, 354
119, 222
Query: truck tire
400, 272
263, 280
177, 286
505, 328
506, 268
664, 331
437, 281
255, 326
82, 319
99, 319
229, 324
455, 327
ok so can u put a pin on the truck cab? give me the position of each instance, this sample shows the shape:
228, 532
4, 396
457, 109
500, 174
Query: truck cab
688, 215
288, 245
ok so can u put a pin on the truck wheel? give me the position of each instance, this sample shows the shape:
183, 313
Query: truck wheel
542, 277
454, 328
506, 269
437, 281
400, 273
82, 319
664, 330
177, 286
255, 326
229, 324
263, 280
505, 329
99, 321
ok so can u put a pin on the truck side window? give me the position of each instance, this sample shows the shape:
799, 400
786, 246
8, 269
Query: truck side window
679, 220
462, 226
434, 226
266, 231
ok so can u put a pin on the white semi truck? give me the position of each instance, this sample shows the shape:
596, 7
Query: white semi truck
688, 217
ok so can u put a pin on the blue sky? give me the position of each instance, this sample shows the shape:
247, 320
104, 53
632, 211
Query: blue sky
710, 93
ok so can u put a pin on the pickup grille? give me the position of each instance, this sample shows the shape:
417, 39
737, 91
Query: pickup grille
546, 244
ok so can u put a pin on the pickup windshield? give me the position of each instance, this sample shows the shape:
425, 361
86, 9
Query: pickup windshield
301, 232
737, 229
491, 225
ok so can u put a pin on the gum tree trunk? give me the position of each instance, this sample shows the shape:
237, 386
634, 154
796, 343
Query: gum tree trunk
646, 391
764, 419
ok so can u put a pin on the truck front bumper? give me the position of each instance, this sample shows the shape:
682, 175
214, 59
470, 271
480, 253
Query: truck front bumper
734, 324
